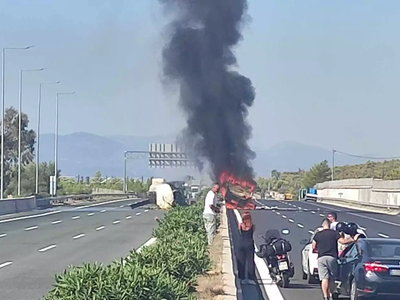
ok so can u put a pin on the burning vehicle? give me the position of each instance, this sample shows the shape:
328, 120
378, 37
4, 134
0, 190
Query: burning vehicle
237, 193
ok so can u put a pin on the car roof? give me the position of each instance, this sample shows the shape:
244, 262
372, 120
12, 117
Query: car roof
381, 240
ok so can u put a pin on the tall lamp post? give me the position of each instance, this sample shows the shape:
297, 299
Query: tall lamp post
20, 124
333, 165
38, 133
3, 69
56, 142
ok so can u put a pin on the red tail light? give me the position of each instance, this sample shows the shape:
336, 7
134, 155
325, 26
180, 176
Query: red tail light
315, 251
281, 256
375, 267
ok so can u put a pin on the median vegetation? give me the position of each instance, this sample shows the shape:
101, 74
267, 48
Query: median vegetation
167, 269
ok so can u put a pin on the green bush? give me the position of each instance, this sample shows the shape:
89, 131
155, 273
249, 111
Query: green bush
166, 270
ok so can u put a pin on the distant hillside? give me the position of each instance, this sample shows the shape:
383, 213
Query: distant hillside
84, 153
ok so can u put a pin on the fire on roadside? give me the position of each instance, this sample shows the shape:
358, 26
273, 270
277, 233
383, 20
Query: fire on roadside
237, 192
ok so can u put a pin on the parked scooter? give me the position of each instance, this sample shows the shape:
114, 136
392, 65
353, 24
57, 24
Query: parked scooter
275, 251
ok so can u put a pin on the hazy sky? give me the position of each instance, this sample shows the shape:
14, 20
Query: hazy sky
325, 72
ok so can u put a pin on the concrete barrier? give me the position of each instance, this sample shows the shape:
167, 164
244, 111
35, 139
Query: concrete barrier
10, 206
365, 192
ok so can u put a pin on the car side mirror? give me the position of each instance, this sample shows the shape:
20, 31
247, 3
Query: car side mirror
304, 242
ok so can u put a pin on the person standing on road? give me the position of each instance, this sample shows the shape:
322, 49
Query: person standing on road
332, 217
210, 212
326, 242
245, 252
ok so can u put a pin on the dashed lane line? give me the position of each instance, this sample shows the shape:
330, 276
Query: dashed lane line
100, 228
103, 211
300, 225
5, 264
383, 235
116, 222
291, 220
146, 210
47, 248
128, 217
76, 217
79, 236
3, 235
311, 232
31, 228
138, 214
283, 216
56, 222
90, 214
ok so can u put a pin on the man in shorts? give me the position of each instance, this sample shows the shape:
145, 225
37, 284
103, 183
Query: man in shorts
326, 242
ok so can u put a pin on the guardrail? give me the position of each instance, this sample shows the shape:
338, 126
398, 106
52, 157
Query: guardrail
382, 207
17, 205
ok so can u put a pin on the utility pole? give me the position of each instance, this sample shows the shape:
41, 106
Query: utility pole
333, 165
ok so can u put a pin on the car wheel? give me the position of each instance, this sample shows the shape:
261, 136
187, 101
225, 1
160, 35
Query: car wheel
354, 291
311, 277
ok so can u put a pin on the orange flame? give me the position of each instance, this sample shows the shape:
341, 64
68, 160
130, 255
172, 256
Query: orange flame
232, 202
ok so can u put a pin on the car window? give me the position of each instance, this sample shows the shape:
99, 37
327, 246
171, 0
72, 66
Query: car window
352, 252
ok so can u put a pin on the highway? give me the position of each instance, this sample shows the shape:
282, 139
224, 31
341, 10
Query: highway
301, 222
34, 247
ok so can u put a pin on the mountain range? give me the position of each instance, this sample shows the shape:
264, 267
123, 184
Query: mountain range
84, 153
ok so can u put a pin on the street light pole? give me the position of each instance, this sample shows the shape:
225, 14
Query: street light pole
20, 125
3, 68
333, 165
38, 134
56, 142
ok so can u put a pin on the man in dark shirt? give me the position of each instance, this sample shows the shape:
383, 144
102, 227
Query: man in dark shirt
326, 242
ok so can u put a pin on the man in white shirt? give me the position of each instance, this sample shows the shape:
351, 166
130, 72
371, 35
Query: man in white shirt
332, 217
210, 212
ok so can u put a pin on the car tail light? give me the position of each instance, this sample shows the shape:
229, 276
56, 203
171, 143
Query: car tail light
315, 251
375, 267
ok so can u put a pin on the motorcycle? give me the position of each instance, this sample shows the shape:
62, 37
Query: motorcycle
275, 251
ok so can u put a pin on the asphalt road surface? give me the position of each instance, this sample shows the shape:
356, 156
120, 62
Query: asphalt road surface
304, 218
34, 249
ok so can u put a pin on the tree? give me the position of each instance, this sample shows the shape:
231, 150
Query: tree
97, 178
11, 134
318, 173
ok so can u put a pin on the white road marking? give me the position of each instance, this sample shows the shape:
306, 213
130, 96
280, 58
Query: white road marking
100, 228
56, 222
291, 220
146, 210
90, 214
294, 205
5, 264
128, 217
321, 215
103, 211
278, 213
300, 225
79, 236
122, 206
47, 248
31, 228
76, 217
3, 235
30, 216
383, 235
116, 222
313, 212
138, 214
311, 232
148, 243
283, 216
59, 211
362, 228
270, 287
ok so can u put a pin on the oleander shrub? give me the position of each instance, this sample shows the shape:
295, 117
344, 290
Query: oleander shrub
165, 270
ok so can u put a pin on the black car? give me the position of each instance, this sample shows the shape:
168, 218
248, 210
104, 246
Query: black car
370, 268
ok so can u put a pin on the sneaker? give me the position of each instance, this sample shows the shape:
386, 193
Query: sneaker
252, 282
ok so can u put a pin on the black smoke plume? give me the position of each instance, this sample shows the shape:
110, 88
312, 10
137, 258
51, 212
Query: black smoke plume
200, 57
